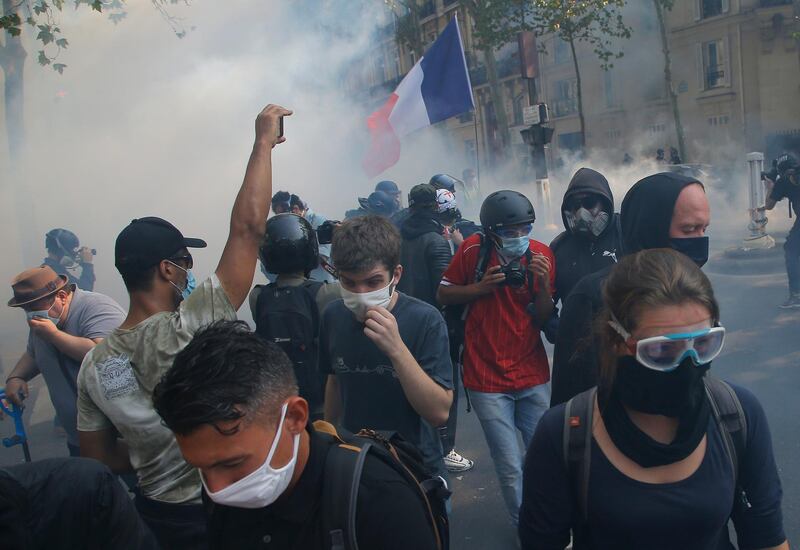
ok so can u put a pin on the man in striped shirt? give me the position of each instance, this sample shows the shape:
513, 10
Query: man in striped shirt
507, 280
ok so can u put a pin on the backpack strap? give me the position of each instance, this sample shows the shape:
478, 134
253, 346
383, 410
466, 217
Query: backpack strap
344, 464
577, 442
484, 254
732, 424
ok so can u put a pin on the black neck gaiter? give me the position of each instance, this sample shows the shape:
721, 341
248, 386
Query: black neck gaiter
678, 394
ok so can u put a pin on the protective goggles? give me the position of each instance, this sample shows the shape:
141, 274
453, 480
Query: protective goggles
665, 353
514, 231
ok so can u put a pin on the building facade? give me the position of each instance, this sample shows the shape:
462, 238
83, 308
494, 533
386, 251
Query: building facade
735, 70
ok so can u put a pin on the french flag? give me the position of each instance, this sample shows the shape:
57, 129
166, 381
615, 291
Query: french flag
437, 88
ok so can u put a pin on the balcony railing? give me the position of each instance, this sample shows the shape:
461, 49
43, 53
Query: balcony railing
715, 78
774, 3
426, 9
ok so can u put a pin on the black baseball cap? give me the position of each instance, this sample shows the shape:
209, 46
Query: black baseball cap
147, 241
422, 195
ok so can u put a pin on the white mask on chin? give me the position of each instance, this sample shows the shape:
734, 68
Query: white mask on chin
262, 486
360, 303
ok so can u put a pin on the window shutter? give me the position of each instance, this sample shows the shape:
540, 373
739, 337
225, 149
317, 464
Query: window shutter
698, 9
726, 6
725, 61
701, 81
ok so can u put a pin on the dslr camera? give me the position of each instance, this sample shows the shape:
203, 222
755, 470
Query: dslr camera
515, 273
325, 231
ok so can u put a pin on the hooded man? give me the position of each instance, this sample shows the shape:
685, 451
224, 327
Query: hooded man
592, 237
425, 252
660, 211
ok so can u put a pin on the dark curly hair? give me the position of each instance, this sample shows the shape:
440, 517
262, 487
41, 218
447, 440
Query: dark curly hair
225, 373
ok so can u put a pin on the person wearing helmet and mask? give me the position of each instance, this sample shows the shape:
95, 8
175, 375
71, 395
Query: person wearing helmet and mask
508, 281
66, 256
287, 311
787, 186
664, 210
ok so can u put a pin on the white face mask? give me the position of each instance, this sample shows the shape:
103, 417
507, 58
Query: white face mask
360, 303
262, 486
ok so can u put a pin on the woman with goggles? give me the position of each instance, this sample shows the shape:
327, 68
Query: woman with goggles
654, 468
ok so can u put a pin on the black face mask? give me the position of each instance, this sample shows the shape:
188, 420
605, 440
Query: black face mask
678, 394
696, 248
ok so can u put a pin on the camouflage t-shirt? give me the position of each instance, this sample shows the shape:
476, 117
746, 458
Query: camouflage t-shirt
116, 382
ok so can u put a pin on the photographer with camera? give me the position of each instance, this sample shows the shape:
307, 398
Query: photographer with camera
287, 311
66, 256
507, 280
785, 184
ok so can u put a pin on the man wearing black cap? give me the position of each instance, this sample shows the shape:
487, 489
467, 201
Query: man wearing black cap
665, 210
787, 186
117, 378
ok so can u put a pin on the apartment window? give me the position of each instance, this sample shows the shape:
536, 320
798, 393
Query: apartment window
565, 103
710, 8
608, 87
519, 103
656, 129
561, 51
613, 134
714, 64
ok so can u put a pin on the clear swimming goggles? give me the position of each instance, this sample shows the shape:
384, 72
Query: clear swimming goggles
514, 231
665, 353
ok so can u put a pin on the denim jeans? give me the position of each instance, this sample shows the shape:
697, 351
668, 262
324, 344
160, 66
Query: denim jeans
791, 249
501, 416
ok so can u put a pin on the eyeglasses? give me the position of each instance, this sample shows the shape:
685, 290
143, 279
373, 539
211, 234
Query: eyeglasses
187, 258
515, 231
665, 353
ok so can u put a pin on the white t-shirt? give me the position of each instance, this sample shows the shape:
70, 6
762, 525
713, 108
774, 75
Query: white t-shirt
115, 387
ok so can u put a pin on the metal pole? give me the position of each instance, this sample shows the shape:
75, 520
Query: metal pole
758, 220
477, 152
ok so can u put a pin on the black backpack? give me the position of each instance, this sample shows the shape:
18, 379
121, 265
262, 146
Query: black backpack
577, 441
342, 479
288, 316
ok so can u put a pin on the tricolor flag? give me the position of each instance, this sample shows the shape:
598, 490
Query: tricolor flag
437, 88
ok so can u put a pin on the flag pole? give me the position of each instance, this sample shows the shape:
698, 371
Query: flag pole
477, 152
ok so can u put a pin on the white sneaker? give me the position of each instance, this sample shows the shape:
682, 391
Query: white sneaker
454, 462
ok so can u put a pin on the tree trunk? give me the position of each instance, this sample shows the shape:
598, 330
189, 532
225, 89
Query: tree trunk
497, 100
578, 90
673, 97
12, 62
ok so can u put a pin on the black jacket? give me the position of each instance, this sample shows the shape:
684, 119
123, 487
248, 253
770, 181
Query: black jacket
645, 217
424, 255
578, 255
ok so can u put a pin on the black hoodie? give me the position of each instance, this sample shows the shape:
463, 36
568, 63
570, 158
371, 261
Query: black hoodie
578, 255
645, 217
424, 254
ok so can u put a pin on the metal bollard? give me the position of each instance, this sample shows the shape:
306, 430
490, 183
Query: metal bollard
758, 219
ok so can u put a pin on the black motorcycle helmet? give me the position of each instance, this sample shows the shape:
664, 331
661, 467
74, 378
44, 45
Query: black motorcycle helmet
445, 181
289, 245
506, 208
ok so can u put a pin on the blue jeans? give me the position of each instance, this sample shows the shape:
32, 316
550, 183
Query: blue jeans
501, 415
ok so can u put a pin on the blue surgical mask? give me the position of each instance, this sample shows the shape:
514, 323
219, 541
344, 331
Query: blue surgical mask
42, 314
515, 247
191, 282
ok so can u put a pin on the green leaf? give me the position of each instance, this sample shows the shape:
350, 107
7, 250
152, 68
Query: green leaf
97, 5
62, 43
45, 36
43, 59
31, 21
59, 67
14, 31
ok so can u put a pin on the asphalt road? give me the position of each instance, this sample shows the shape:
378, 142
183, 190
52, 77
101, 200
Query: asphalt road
762, 353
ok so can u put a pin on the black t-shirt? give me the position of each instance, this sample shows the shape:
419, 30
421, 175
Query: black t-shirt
390, 515
625, 513
785, 189
372, 396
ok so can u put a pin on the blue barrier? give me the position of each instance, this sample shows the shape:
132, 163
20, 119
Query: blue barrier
19, 437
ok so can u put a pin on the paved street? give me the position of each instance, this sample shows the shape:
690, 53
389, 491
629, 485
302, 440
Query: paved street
762, 353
